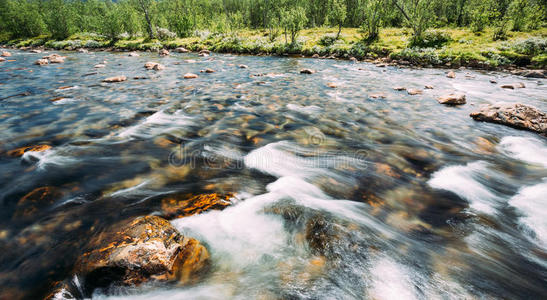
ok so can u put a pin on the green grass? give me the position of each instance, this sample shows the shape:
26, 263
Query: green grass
463, 48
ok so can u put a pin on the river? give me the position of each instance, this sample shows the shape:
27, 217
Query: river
338, 193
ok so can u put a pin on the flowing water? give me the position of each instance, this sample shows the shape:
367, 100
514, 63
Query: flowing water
337, 195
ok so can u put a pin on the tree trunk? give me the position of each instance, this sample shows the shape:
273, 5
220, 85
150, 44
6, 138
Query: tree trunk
339, 30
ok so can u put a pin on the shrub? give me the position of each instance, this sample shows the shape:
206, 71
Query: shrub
430, 39
92, 44
418, 56
531, 46
327, 40
540, 61
164, 34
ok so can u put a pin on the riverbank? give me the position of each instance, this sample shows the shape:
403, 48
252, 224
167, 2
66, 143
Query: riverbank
442, 47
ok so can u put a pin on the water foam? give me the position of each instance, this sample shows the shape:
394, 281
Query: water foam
531, 201
530, 150
464, 181
157, 124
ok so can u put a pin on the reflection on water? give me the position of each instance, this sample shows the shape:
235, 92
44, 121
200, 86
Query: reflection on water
337, 194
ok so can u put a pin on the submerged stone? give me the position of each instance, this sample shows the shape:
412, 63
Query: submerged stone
36, 200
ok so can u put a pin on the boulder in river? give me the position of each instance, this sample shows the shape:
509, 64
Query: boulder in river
414, 92
315, 56
145, 249
154, 66
207, 70
2, 59
164, 52
6, 54
55, 58
307, 71
533, 73
83, 50
332, 85
41, 62
400, 88
451, 74
36, 148
35, 51
516, 115
133, 54
115, 79
190, 76
182, 50
99, 66
178, 206
518, 85
243, 66
205, 51
452, 99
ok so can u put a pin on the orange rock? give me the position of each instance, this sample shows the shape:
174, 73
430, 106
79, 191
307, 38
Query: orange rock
36, 148
451, 74
179, 206
6, 54
145, 249
332, 85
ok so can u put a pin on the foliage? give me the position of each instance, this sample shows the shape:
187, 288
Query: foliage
337, 14
327, 40
373, 11
431, 39
293, 21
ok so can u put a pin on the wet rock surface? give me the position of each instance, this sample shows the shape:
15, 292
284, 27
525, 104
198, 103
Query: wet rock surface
516, 115
452, 99
178, 206
144, 249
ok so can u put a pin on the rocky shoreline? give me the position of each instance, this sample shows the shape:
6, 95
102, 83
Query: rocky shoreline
383, 61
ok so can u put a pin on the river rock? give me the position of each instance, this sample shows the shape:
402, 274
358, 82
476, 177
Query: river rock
2, 59
332, 85
205, 51
452, 99
516, 115
36, 201
182, 50
493, 81
20, 151
164, 52
400, 88
451, 74
315, 56
414, 92
145, 249
99, 66
178, 206
35, 51
41, 62
428, 87
532, 73
190, 76
353, 59
82, 50
518, 85
154, 66
208, 70
133, 54
6, 54
243, 66
307, 71
55, 58
115, 79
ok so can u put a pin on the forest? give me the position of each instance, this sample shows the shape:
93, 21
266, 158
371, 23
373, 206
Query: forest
106, 22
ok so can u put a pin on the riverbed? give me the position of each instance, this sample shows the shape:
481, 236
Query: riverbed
343, 187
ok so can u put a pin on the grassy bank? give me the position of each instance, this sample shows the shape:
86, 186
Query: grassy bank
454, 47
